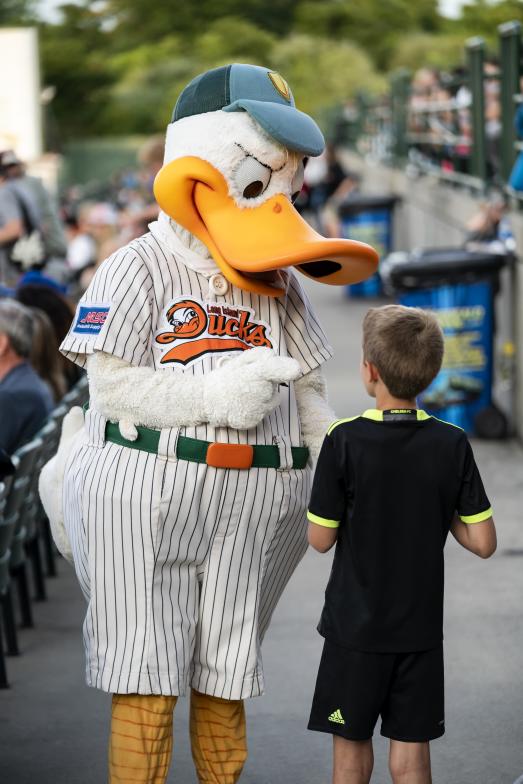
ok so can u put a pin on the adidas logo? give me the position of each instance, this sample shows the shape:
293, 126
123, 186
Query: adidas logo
337, 717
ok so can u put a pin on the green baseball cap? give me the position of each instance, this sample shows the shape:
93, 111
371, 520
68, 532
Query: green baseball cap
262, 93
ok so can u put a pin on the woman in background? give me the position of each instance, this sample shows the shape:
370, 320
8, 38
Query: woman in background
60, 313
45, 357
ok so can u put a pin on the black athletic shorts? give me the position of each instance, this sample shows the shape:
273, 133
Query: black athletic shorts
354, 688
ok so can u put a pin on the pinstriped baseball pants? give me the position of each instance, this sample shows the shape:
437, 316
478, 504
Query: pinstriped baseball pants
182, 564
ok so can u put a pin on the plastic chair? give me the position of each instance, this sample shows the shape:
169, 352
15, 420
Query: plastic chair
82, 387
32, 513
50, 436
57, 415
78, 395
7, 621
7, 527
19, 503
5, 539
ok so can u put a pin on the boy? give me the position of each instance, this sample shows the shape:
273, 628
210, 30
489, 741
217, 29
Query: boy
387, 488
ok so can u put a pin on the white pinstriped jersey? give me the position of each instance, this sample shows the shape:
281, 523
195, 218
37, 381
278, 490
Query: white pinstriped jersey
182, 563
144, 293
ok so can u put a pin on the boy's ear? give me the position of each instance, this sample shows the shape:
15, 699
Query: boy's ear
372, 371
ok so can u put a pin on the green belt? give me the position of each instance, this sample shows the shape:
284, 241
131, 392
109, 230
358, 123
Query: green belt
194, 450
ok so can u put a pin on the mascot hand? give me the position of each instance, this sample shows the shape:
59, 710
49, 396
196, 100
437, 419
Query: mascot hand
51, 480
245, 388
315, 413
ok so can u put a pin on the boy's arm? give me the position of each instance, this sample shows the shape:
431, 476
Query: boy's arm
479, 538
327, 504
321, 537
473, 526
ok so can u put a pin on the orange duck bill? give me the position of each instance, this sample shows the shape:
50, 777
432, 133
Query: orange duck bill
250, 241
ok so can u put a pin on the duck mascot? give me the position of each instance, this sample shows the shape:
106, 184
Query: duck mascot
181, 499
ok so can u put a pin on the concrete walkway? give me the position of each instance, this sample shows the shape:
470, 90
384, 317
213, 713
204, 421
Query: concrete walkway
53, 730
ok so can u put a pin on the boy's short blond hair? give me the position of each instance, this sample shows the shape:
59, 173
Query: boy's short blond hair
406, 347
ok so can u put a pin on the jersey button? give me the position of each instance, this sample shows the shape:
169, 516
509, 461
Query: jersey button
218, 285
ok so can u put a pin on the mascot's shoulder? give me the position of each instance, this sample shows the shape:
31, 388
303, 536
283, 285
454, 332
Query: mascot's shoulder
141, 252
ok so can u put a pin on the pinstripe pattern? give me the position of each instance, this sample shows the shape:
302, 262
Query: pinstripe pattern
182, 563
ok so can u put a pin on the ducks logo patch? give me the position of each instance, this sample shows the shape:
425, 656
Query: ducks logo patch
200, 328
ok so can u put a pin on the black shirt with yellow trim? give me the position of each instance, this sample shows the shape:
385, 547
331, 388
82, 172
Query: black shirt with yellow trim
392, 482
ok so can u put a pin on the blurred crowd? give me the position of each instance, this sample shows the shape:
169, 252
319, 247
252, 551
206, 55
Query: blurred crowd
327, 184
49, 252
440, 117
65, 242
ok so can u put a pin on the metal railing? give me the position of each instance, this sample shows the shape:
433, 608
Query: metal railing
454, 137
510, 58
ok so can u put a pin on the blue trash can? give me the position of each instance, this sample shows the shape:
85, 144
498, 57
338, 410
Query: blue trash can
459, 286
368, 218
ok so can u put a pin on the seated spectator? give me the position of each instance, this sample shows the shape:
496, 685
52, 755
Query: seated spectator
7, 467
25, 400
102, 222
150, 158
45, 357
484, 225
82, 249
60, 312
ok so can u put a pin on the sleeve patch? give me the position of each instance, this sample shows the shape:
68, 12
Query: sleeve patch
90, 318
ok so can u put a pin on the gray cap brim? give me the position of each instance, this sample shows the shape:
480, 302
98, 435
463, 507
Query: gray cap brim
287, 125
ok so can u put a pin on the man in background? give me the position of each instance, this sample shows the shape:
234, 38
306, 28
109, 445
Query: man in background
11, 229
32, 190
25, 400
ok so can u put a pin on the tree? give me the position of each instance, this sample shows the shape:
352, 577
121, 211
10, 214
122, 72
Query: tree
232, 39
149, 78
322, 72
137, 23
16, 12
147, 81
482, 18
72, 63
373, 24
420, 50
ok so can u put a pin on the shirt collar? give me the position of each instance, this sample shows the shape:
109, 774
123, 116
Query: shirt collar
395, 414
166, 235
15, 371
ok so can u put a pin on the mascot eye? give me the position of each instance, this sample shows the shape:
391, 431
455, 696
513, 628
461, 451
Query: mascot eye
191, 314
252, 177
297, 181
253, 189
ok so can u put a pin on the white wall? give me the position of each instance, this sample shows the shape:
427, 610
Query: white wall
20, 110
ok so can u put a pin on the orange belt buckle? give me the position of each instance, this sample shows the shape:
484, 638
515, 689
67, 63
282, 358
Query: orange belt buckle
229, 455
